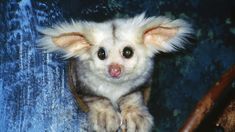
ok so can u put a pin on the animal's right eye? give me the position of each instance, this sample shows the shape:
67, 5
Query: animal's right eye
101, 53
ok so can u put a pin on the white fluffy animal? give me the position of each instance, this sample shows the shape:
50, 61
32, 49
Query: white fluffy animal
114, 62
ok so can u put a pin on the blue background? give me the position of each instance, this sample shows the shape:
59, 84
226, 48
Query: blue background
34, 93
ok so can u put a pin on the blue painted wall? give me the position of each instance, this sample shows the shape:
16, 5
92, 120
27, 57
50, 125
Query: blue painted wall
34, 94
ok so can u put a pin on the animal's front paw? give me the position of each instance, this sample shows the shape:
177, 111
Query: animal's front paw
102, 117
134, 113
136, 119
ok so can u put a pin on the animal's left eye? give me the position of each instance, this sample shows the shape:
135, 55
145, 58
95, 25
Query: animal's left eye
127, 52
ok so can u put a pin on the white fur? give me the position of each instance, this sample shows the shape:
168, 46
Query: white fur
110, 88
128, 32
83, 41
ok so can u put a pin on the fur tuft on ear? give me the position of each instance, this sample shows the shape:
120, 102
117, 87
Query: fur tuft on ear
162, 34
66, 38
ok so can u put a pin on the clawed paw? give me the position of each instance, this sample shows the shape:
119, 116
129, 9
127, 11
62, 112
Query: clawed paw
103, 118
136, 120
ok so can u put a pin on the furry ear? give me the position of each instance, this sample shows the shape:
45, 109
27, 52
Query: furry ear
70, 42
165, 35
66, 38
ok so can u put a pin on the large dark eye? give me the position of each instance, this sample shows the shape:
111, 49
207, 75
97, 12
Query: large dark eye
127, 52
101, 53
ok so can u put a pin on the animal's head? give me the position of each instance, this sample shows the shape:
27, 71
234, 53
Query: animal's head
120, 49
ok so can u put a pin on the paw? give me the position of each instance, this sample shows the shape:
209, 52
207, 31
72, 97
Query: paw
137, 120
103, 118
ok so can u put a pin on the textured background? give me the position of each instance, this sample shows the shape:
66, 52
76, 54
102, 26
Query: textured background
34, 94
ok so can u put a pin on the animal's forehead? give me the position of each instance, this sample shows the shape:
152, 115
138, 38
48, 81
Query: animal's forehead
115, 30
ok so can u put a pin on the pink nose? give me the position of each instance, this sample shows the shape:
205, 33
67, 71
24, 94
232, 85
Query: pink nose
115, 70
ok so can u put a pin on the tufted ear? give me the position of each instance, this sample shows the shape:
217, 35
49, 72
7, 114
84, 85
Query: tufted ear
164, 35
71, 43
64, 38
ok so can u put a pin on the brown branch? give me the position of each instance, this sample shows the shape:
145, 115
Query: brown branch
206, 104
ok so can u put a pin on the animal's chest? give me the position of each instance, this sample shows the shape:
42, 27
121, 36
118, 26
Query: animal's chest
106, 89
111, 92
